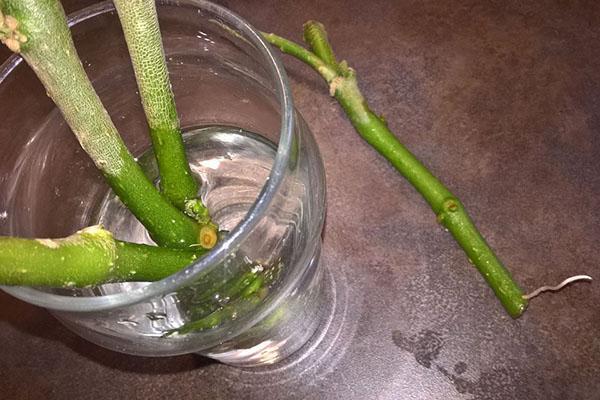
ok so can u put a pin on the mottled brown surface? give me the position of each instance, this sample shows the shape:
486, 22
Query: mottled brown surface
501, 100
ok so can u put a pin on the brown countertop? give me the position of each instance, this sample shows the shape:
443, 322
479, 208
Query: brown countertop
502, 101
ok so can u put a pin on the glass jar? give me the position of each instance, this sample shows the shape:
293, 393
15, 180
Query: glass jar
255, 298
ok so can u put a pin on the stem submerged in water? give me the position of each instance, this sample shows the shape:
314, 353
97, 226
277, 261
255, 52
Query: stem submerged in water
139, 21
448, 209
49, 50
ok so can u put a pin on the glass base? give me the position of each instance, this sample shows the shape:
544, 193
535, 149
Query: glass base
285, 329
335, 331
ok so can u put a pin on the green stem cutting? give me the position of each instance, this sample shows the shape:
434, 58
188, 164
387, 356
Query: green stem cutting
140, 25
449, 210
89, 257
37, 29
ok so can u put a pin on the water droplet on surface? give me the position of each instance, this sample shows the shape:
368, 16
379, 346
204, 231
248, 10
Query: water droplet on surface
156, 316
127, 322
223, 300
257, 268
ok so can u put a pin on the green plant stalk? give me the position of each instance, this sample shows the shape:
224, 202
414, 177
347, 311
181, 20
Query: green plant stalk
315, 34
249, 298
244, 293
89, 257
448, 209
216, 318
38, 30
228, 289
220, 295
214, 291
139, 21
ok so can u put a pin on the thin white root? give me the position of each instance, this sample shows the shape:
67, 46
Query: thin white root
557, 287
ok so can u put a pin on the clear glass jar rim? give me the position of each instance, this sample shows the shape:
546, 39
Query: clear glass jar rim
238, 234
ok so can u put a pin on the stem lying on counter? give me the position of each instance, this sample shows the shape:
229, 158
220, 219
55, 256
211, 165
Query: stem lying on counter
139, 21
37, 29
89, 257
449, 210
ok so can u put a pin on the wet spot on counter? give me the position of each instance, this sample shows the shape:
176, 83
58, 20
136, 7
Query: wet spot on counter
425, 345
